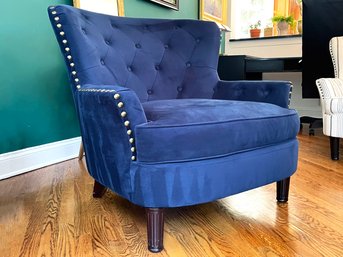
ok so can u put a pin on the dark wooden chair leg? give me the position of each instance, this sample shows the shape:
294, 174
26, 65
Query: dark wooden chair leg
98, 190
155, 225
334, 145
282, 190
81, 151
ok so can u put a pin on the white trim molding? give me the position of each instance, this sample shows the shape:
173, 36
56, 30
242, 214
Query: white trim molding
28, 159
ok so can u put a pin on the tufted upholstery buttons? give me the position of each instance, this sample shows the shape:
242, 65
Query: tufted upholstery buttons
149, 92
83, 31
197, 40
129, 68
179, 89
188, 64
107, 42
157, 67
166, 46
138, 45
102, 61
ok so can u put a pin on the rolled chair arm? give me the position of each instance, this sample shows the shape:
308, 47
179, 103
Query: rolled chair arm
331, 94
274, 92
108, 117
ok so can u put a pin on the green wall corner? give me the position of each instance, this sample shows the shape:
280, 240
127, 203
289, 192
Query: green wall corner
36, 104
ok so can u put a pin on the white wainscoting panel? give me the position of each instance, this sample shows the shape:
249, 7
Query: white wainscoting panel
28, 159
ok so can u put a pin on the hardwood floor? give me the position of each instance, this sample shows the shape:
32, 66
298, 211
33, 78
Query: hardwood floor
51, 212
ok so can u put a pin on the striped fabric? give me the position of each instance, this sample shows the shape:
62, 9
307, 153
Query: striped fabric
331, 93
336, 51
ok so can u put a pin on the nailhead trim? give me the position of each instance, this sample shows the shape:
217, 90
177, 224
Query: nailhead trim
333, 59
97, 90
123, 114
116, 96
67, 50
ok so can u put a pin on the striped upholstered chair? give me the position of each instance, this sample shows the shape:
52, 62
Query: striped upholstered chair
331, 93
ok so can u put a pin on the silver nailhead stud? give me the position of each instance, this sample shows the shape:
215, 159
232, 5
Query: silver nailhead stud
57, 18
64, 41
59, 25
53, 12
129, 132
120, 104
123, 114
72, 64
62, 33
76, 80
133, 158
131, 140
73, 72
116, 96
52, 7
127, 123
69, 57
132, 149
67, 49
78, 86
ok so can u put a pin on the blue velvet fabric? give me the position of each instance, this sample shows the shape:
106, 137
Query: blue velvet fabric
151, 130
274, 92
191, 129
158, 59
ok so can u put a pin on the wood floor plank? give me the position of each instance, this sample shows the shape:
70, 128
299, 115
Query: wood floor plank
51, 212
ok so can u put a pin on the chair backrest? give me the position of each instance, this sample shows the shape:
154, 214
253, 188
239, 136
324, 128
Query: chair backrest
157, 58
336, 51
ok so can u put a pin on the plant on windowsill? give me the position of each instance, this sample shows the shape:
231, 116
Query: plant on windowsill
255, 30
268, 31
282, 23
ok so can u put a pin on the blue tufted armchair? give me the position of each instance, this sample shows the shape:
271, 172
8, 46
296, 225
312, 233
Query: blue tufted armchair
158, 126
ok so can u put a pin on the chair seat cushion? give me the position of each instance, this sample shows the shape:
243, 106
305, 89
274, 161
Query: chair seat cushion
194, 129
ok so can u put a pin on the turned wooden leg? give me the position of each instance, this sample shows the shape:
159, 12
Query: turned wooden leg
81, 151
334, 145
98, 190
282, 189
155, 223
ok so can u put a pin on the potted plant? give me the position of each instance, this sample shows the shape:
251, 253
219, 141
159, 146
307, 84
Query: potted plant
282, 23
255, 30
268, 31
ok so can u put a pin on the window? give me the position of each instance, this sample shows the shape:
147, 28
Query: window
247, 12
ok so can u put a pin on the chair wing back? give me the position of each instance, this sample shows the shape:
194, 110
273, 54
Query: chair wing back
158, 59
336, 51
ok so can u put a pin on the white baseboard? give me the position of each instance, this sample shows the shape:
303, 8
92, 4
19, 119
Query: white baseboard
28, 159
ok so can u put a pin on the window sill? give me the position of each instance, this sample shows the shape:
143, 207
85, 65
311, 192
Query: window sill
264, 38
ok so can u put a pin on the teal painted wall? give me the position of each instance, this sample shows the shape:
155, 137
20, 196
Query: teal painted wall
36, 106
188, 9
